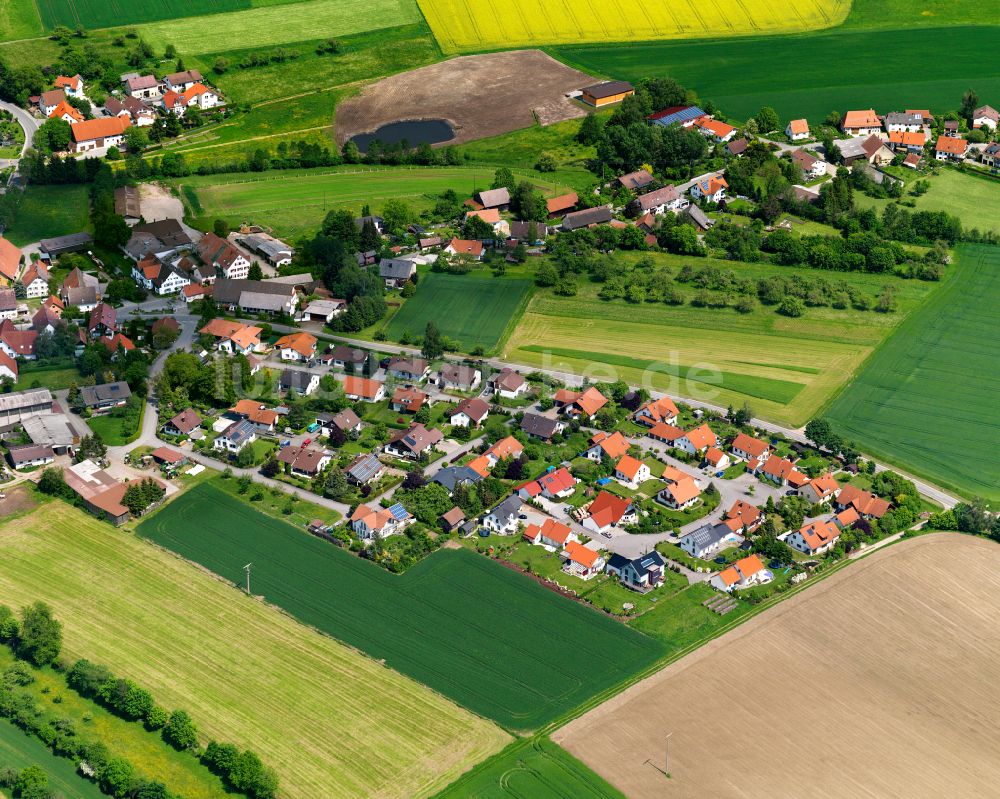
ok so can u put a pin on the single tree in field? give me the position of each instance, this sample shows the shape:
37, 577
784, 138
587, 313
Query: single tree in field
767, 119
433, 345
970, 102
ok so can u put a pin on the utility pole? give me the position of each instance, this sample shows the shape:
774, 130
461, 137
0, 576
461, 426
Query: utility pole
247, 570
666, 762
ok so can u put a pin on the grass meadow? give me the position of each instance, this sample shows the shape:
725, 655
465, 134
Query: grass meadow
295, 202
246, 672
809, 75
785, 368
927, 399
19, 20
973, 199
47, 211
474, 311
484, 636
462, 25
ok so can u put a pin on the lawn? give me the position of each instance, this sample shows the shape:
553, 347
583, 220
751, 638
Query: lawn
295, 203
465, 25
682, 620
927, 399
115, 430
105, 14
473, 310
535, 768
477, 632
786, 368
246, 672
973, 199
48, 211
748, 73
55, 376
19, 750
183, 774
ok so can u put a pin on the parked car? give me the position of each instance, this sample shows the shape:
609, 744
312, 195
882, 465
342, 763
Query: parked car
286, 443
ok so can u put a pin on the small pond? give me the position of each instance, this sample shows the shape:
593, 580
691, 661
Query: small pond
413, 131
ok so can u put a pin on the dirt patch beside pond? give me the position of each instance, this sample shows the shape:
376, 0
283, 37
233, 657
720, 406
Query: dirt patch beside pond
478, 95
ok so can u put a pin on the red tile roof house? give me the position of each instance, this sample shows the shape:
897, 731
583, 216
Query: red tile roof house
469, 412
508, 384
743, 517
463, 248
681, 491
659, 410
582, 405
581, 561
558, 483
861, 123
297, 346
697, 440
363, 388
304, 461
368, 523
821, 490
797, 129
866, 504
608, 511
949, 148
183, 424
552, 534
749, 448
778, 470
631, 472
603, 445
407, 400
815, 538
414, 442
508, 447
742, 574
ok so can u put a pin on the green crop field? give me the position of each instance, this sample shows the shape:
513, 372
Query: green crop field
112, 13
536, 768
295, 203
246, 672
809, 75
472, 310
927, 399
483, 635
19, 750
47, 211
973, 199
785, 368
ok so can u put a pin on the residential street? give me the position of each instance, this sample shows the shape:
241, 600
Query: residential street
28, 124
182, 315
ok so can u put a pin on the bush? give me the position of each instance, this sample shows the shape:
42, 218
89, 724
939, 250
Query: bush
180, 731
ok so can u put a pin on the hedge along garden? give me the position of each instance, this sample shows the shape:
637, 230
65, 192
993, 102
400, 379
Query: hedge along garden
487, 637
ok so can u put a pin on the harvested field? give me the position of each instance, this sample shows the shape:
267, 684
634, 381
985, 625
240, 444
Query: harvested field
479, 95
880, 681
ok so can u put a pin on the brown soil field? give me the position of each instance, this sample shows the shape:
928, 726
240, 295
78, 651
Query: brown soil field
478, 95
881, 681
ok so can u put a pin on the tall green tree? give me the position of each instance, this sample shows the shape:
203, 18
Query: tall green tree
40, 639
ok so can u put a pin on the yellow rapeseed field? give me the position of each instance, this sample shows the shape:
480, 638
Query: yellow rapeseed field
462, 25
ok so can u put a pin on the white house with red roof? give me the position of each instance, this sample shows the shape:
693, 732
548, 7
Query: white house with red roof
681, 491
712, 189
631, 472
697, 440
35, 280
778, 470
714, 129
815, 538
72, 86
749, 448
662, 410
743, 516
581, 561
743, 573
551, 534
608, 511
797, 129
611, 446
558, 483
821, 490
